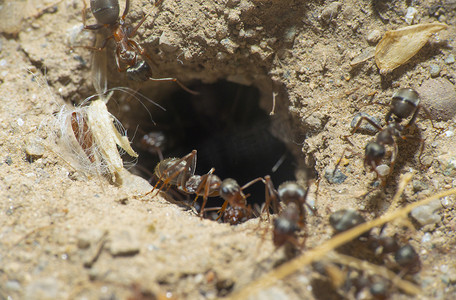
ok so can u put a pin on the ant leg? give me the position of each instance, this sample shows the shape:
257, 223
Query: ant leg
133, 31
189, 168
99, 49
84, 19
141, 51
422, 142
222, 209
119, 68
393, 157
251, 182
270, 195
388, 116
127, 8
428, 115
176, 81
369, 120
204, 185
338, 162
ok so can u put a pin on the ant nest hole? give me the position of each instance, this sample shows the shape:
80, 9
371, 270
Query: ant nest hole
241, 131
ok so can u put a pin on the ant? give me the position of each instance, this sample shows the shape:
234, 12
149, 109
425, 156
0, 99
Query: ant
180, 172
127, 51
405, 103
293, 216
406, 258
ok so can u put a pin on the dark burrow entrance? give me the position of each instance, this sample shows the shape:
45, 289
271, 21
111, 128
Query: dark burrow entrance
230, 131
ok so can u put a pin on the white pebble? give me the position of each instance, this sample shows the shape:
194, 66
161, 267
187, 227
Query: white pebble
425, 214
426, 238
410, 15
20, 122
383, 170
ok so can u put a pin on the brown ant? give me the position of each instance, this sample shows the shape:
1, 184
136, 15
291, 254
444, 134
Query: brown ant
180, 172
127, 51
405, 103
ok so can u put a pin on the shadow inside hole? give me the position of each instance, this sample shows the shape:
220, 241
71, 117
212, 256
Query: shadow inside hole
225, 124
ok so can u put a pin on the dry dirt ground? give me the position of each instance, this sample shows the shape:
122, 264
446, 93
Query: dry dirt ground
65, 235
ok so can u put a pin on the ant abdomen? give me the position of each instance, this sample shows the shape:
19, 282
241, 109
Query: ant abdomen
404, 102
105, 11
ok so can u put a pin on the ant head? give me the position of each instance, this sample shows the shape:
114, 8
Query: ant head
292, 192
229, 188
105, 11
374, 152
139, 72
404, 103
407, 257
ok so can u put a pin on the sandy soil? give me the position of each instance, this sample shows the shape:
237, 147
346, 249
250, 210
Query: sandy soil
66, 235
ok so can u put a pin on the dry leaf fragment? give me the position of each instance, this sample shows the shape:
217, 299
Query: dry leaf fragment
107, 136
398, 46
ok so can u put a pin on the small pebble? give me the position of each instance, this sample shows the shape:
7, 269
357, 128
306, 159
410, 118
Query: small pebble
439, 97
450, 170
272, 293
365, 125
33, 148
434, 70
410, 15
229, 45
13, 285
426, 238
124, 243
425, 214
374, 36
337, 177
450, 59
8, 160
331, 11
383, 170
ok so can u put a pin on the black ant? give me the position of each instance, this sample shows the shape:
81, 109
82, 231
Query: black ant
405, 103
180, 172
127, 51
293, 216
406, 258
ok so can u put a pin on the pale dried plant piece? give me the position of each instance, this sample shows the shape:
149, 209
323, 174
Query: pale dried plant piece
106, 136
398, 46
92, 132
